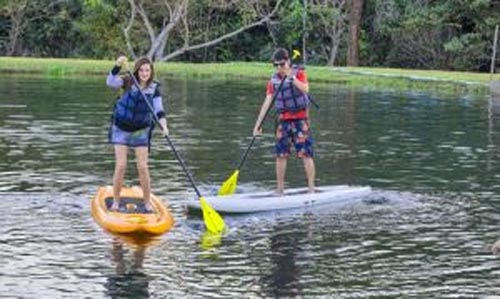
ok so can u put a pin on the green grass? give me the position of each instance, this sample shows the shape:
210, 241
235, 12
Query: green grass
394, 79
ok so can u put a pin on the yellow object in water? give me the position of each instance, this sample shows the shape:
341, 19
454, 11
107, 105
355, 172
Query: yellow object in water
229, 186
130, 219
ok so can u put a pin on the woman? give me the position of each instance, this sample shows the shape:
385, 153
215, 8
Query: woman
132, 123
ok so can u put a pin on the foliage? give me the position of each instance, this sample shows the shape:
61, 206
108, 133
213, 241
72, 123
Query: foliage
448, 34
51, 33
426, 34
98, 27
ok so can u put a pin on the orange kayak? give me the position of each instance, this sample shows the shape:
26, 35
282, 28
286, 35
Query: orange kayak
131, 216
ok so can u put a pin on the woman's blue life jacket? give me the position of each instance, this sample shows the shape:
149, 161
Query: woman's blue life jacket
131, 113
289, 98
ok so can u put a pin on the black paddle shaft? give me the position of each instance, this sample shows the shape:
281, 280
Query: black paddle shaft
157, 121
243, 158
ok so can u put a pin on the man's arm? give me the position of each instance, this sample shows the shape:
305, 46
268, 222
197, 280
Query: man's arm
300, 81
257, 130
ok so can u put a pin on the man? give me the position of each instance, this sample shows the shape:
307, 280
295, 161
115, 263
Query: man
290, 88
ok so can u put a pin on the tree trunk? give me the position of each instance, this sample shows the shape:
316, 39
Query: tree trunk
16, 9
333, 50
354, 32
304, 33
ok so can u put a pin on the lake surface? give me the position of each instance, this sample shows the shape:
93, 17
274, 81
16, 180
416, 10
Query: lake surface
424, 232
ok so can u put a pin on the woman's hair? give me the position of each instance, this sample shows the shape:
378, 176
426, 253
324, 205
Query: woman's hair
128, 82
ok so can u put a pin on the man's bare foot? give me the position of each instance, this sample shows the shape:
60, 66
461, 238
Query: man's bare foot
311, 190
278, 193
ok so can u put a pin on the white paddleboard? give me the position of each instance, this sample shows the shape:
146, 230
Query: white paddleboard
293, 198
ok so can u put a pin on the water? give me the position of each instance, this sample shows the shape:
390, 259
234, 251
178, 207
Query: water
425, 231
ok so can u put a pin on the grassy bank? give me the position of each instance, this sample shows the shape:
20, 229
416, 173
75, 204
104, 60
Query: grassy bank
397, 79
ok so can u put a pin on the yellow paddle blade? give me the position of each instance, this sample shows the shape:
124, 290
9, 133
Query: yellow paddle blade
229, 185
213, 221
296, 53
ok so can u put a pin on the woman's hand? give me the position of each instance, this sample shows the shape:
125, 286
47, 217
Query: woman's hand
121, 61
163, 126
164, 131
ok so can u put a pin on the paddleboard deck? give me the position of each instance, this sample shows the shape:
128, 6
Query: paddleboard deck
131, 217
293, 198
128, 205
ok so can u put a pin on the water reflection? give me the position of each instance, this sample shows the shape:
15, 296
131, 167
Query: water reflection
128, 279
210, 240
493, 129
283, 281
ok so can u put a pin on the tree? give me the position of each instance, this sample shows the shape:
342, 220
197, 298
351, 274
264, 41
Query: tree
40, 27
330, 22
355, 10
447, 34
14, 12
99, 28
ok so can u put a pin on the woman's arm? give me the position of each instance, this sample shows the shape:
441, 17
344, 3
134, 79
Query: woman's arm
114, 80
160, 114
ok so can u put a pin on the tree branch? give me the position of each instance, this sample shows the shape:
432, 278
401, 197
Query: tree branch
127, 28
146, 22
158, 45
215, 41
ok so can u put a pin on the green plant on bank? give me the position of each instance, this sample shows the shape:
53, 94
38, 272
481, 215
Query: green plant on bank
394, 79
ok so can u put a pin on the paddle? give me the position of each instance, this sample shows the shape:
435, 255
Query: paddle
213, 221
229, 186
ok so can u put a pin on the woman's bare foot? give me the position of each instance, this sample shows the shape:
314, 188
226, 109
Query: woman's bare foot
148, 207
115, 206
495, 249
311, 190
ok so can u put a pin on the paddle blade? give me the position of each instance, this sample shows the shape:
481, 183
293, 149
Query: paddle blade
296, 53
229, 185
213, 221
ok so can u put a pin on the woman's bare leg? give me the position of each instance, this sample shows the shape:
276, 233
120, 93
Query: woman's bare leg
120, 168
141, 154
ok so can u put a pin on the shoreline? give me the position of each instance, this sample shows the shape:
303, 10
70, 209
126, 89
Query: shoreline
394, 79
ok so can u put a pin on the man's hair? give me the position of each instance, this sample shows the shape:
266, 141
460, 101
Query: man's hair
280, 54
